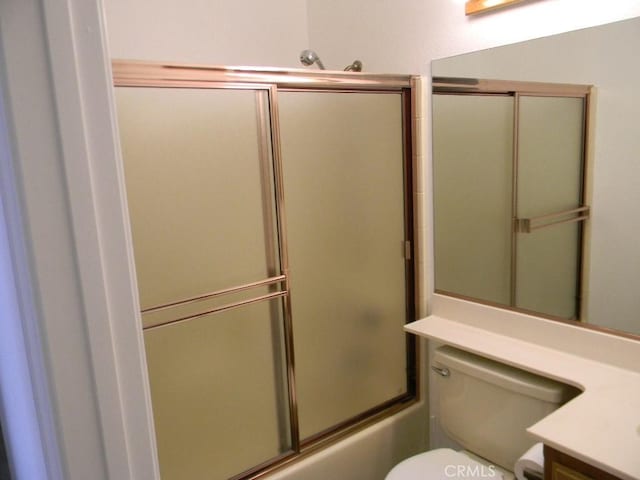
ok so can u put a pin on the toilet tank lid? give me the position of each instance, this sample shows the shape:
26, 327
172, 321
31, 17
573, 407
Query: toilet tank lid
505, 376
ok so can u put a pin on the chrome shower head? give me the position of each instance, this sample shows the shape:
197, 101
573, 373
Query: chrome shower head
309, 57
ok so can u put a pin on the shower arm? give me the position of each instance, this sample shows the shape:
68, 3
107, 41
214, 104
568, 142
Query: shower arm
309, 57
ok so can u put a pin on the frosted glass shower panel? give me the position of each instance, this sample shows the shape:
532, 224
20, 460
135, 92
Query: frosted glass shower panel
472, 155
550, 178
219, 392
342, 159
200, 189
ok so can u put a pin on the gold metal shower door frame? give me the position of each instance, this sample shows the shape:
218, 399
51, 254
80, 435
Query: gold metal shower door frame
517, 89
271, 80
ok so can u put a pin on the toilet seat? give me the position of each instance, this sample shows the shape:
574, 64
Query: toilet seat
443, 464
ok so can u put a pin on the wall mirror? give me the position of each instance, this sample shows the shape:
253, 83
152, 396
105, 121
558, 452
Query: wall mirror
605, 57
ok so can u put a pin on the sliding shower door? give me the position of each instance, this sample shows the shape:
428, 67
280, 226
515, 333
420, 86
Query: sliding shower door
344, 191
200, 190
272, 234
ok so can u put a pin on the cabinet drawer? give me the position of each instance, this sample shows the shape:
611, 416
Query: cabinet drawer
560, 472
560, 466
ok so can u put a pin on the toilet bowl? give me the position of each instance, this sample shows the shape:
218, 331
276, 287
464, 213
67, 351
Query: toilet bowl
446, 464
485, 407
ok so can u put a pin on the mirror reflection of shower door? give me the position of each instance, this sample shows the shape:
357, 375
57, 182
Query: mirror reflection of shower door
342, 159
509, 196
472, 155
200, 189
550, 172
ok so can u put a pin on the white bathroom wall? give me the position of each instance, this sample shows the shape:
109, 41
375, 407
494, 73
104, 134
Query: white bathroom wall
403, 36
220, 32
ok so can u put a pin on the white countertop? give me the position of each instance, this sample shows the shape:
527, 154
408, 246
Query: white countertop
601, 426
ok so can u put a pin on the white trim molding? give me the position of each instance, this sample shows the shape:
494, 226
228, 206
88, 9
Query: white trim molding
69, 245
27, 420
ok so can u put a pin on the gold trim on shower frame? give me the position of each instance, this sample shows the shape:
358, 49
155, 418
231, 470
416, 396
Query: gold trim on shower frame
132, 73
272, 80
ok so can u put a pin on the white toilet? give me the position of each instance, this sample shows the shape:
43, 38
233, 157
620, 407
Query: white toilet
485, 406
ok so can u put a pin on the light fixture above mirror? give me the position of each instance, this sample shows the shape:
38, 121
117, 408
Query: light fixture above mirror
479, 6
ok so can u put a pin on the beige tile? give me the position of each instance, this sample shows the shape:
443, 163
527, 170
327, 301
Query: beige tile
419, 134
419, 174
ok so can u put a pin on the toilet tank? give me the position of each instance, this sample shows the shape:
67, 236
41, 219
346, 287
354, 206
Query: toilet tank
487, 406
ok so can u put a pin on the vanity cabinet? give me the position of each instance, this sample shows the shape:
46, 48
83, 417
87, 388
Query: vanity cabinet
560, 466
